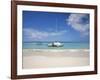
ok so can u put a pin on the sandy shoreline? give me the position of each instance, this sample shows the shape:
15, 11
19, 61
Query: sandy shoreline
37, 58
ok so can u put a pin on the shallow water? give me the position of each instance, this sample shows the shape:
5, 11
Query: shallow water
44, 45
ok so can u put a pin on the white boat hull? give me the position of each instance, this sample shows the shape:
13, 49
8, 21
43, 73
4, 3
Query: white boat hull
55, 44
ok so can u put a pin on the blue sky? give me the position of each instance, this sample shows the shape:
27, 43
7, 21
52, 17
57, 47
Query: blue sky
52, 26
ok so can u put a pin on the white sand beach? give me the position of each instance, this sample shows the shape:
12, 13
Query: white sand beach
48, 58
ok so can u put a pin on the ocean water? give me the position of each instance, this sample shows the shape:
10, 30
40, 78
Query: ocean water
44, 45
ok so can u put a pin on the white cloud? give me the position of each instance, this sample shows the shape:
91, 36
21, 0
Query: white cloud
33, 34
77, 23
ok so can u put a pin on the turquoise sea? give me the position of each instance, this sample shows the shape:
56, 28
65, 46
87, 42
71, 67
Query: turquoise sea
44, 45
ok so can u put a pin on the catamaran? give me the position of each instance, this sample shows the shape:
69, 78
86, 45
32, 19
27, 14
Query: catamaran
55, 43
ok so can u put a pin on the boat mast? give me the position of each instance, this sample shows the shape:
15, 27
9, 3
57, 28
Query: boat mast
56, 25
